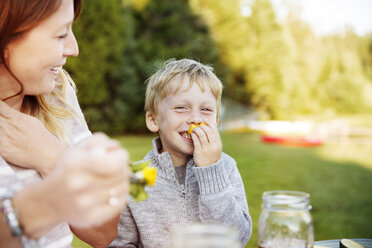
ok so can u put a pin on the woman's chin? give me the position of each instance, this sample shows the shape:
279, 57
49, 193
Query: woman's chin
49, 87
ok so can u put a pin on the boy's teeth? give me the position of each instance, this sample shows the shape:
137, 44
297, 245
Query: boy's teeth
186, 135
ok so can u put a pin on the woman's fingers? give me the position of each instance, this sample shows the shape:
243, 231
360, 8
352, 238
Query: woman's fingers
96, 182
101, 139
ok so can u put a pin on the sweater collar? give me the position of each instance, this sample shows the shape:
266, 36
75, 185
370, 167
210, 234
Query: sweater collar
164, 159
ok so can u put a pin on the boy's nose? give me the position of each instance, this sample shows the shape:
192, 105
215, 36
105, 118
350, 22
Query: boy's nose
196, 122
195, 118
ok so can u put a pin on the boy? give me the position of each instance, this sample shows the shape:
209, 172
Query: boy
196, 182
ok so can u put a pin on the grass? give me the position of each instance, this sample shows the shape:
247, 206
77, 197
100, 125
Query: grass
337, 176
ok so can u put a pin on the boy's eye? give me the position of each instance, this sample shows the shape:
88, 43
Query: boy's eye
180, 107
207, 109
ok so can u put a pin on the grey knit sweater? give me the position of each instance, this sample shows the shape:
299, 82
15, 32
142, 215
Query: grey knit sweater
211, 194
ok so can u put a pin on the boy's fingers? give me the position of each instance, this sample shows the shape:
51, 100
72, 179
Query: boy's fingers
202, 135
196, 141
212, 125
209, 132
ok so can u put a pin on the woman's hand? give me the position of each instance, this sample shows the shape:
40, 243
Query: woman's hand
207, 144
90, 183
25, 141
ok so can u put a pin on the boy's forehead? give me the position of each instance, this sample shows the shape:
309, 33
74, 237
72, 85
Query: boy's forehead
184, 83
183, 94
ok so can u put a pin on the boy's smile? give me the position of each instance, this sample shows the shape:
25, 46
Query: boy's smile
176, 112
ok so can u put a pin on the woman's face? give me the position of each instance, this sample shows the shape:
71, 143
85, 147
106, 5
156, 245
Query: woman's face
36, 57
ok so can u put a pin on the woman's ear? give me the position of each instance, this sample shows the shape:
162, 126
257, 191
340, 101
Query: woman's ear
151, 122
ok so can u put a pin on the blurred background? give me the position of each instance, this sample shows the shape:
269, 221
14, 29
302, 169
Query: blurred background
297, 102
282, 59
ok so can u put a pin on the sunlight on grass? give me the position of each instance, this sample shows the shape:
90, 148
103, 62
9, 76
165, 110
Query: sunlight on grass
348, 152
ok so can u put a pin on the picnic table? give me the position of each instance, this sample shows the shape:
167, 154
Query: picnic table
335, 243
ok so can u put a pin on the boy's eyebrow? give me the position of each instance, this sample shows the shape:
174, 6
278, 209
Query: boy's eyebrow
188, 101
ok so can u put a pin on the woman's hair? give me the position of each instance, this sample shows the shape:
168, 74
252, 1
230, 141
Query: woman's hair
17, 17
168, 79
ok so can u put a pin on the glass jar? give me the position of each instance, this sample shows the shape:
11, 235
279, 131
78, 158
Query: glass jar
204, 236
285, 220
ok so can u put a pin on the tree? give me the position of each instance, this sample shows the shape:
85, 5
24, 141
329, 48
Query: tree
169, 29
283, 68
105, 69
121, 45
254, 48
163, 29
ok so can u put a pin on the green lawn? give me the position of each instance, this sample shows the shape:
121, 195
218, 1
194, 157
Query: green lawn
338, 178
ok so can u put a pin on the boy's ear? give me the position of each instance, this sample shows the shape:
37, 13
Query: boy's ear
151, 122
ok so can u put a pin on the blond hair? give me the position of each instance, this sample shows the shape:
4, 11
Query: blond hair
49, 114
159, 84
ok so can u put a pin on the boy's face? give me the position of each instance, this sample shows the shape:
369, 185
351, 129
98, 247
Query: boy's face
176, 112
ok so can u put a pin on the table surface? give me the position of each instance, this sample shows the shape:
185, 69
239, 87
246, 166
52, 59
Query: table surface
367, 243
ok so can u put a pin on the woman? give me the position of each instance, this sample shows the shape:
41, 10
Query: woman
39, 119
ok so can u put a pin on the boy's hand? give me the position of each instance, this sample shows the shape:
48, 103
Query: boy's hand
207, 144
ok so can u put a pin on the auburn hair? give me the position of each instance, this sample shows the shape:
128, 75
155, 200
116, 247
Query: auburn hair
17, 17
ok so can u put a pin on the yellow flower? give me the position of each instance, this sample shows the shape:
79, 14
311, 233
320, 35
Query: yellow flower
150, 175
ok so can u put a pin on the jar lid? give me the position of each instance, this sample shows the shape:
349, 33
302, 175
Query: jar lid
286, 200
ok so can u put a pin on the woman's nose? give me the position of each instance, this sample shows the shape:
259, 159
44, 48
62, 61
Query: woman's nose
71, 46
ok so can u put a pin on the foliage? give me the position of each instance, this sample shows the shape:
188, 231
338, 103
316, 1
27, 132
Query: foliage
283, 68
122, 45
99, 70
166, 29
280, 68
169, 29
253, 47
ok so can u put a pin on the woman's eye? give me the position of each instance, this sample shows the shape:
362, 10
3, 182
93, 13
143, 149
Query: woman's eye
62, 36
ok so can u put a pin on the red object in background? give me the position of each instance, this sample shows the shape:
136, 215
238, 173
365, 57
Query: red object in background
291, 141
